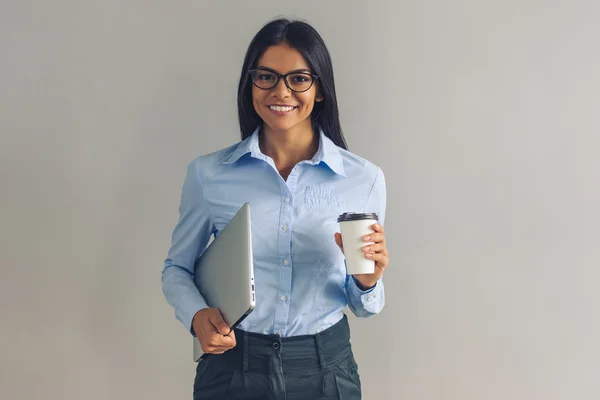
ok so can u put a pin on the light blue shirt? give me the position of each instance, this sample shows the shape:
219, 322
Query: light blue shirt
300, 275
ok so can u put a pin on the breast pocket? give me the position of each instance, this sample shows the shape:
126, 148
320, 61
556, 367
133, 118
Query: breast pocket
322, 206
323, 199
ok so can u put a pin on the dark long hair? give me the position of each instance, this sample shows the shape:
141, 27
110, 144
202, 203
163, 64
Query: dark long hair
307, 41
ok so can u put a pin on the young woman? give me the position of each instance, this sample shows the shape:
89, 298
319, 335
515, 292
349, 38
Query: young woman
292, 166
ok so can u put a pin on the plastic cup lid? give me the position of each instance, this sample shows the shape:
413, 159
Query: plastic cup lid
357, 216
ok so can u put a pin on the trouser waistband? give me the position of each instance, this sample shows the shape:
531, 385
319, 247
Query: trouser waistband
254, 351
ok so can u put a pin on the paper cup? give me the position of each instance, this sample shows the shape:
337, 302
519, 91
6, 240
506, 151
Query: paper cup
353, 227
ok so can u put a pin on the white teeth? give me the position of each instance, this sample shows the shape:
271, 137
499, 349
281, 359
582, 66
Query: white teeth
279, 108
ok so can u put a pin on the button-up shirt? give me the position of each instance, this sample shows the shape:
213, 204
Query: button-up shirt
301, 282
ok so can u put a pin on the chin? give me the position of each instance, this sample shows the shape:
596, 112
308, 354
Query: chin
281, 125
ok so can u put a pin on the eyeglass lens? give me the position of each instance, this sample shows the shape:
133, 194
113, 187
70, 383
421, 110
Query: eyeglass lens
298, 82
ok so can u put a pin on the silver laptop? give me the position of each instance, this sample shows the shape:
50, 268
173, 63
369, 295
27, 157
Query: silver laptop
224, 273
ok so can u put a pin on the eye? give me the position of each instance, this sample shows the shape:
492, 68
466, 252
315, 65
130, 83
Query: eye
265, 76
300, 78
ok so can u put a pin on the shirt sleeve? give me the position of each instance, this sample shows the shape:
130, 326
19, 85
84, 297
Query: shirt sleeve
367, 303
189, 239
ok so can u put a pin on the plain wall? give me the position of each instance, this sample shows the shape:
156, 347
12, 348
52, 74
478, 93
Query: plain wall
484, 115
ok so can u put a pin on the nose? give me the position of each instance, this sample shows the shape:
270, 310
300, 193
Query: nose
281, 89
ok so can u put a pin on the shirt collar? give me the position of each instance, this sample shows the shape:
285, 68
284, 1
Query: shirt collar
328, 153
248, 145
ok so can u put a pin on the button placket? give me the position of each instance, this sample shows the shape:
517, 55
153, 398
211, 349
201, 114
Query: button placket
284, 249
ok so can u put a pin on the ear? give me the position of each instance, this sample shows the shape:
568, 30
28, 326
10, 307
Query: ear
319, 96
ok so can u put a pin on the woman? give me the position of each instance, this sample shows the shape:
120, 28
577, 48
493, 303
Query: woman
292, 166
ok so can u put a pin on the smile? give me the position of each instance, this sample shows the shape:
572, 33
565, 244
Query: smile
281, 109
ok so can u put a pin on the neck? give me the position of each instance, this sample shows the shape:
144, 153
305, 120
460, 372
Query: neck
289, 147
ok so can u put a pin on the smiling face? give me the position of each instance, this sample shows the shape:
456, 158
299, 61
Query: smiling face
280, 108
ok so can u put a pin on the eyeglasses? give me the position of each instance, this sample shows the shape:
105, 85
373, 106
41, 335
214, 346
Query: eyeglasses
266, 79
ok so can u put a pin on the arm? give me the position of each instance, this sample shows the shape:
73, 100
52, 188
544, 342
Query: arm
365, 302
189, 239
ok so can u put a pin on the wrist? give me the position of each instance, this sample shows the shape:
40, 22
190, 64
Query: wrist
364, 286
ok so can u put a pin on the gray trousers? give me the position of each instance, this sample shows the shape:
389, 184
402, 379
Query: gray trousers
268, 367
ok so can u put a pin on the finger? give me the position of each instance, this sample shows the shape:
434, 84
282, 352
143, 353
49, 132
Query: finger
380, 258
374, 237
212, 348
223, 348
216, 350
219, 340
219, 347
378, 228
225, 341
375, 248
232, 337
217, 321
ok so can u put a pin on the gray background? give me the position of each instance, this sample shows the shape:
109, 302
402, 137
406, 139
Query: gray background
483, 115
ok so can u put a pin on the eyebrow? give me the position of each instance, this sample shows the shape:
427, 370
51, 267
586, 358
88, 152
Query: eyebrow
306, 70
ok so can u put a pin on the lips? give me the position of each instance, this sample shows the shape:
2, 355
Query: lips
281, 108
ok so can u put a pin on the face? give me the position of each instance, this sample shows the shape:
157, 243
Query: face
283, 59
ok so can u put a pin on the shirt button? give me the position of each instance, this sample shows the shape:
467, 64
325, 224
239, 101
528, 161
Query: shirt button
287, 199
284, 298
286, 262
284, 228
276, 346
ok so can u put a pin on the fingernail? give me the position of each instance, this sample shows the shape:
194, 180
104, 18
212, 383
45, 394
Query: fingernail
367, 248
367, 237
370, 255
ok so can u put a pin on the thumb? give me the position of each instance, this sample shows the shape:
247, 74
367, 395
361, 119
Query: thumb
338, 241
219, 323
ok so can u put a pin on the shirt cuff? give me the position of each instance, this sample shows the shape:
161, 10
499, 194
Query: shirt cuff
367, 297
187, 309
358, 287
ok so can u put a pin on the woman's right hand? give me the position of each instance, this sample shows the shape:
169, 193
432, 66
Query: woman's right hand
214, 334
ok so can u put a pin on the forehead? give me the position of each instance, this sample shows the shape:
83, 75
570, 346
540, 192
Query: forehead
282, 58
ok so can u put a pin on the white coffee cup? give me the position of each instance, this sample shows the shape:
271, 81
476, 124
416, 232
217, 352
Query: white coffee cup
353, 227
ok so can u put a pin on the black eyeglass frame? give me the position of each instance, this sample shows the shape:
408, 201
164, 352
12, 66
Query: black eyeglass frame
284, 76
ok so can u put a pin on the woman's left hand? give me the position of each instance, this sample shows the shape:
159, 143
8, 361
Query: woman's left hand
377, 251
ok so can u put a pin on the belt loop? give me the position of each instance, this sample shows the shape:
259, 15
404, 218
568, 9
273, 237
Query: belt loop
245, 351
319, 344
